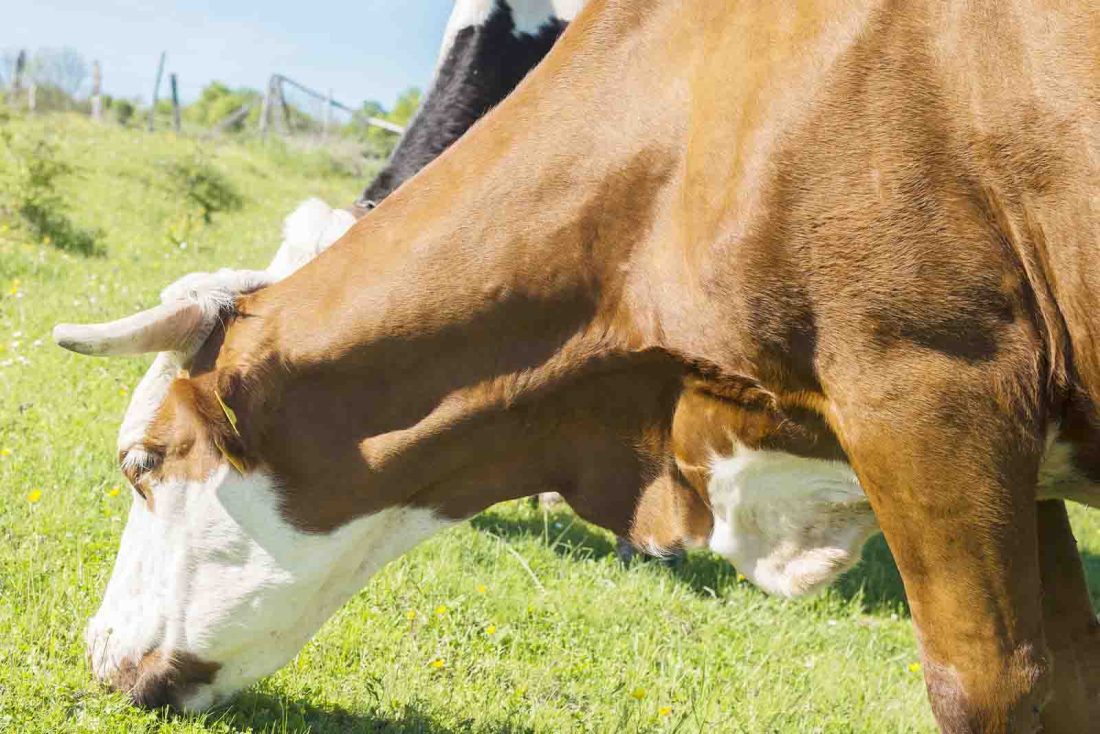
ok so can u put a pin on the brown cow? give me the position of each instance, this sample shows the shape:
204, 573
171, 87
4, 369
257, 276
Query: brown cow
709, 259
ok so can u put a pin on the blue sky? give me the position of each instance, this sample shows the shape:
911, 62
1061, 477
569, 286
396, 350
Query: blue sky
369, 49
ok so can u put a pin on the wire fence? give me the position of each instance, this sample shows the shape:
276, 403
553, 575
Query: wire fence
61, 80
292, 108
355, 140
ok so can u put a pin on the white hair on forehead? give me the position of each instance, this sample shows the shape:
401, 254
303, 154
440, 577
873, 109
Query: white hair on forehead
215, 294
307, 232
147, 397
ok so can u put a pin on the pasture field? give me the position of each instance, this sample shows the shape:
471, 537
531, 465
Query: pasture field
518, 621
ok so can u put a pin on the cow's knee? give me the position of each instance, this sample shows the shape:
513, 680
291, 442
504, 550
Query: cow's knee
954, 493
1007, 697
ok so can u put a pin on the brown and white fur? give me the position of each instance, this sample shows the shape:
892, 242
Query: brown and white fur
709, 263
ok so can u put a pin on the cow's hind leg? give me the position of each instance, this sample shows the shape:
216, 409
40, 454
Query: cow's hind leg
1071, 627
948, 452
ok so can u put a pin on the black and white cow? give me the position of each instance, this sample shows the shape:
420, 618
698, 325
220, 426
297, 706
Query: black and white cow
488, 47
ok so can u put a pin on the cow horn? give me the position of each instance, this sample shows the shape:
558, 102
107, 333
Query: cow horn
165, 328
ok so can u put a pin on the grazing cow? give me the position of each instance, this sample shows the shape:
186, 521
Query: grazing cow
756, 275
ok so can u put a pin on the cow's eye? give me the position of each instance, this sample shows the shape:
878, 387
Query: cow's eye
136, 463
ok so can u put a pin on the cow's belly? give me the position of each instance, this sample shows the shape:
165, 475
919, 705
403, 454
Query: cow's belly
791, 524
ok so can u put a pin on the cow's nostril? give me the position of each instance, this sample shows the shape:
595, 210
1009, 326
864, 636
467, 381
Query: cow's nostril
153, 691
123, 678
160, 680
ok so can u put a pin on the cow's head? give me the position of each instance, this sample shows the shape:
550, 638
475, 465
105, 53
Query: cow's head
213, 587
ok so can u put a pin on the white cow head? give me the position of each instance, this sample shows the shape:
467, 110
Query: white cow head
212, 588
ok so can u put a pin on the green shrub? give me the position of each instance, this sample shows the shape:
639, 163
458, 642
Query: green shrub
123, 111
217, 102
30, 170
379, 143
201, 191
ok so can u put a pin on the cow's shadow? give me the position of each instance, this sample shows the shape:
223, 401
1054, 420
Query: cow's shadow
256, 710
874, 582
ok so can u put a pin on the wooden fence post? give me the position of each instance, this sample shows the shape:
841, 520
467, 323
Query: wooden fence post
20, 68
233, 118
327, 118
285, 108
265, 108
156, 90
97, 85
175, 102
32, 96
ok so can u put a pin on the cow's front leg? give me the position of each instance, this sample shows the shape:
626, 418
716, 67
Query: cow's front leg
948, 453
1071, 627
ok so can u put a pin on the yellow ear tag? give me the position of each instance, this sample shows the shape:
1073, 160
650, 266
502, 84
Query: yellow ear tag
228, 414
232, 418
233, 460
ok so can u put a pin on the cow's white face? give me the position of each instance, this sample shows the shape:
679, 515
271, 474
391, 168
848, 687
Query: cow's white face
213, 586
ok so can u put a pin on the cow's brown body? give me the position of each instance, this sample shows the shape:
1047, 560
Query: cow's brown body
841, 229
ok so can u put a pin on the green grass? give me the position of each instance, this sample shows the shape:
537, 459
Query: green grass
589, 646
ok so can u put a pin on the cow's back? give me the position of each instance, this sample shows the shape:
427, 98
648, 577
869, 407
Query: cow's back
946, 150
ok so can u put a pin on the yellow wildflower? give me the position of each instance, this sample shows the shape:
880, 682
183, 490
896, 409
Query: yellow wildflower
5, 452
638, 694
113, 492
14, 287
914, 667
34, 495
481, 588
664, 711
441, 610
438, 664
411, 614
491, 630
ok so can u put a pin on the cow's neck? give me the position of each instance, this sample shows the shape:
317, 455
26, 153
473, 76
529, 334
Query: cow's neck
474, 338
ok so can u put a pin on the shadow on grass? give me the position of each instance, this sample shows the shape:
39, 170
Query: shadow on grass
265, 712
1092, 575
565, 533
875, 580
